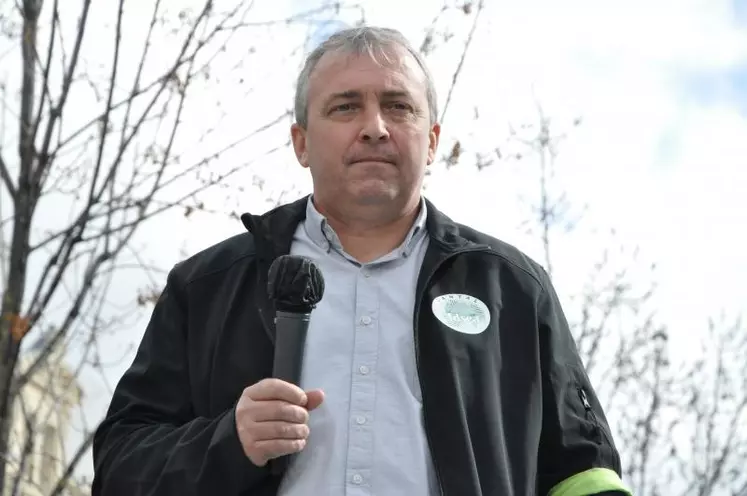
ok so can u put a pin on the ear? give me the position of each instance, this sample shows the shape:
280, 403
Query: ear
433, 137
298, 136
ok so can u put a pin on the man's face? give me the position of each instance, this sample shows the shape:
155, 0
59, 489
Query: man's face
368, 138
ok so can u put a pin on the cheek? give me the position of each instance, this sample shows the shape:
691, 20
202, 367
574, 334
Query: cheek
326, 149
415, 142
328, 144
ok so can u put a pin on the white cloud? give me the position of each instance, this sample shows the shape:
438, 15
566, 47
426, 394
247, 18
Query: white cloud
616, 64
620, 67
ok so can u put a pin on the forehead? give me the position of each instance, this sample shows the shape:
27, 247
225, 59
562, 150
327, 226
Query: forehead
342, 71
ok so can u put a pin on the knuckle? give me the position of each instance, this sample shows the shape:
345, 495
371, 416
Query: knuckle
295, 414
272, 382
244, 407
301, 431
303, 415
285, 412
284, 430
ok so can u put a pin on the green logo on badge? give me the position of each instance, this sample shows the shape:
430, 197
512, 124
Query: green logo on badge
462, 313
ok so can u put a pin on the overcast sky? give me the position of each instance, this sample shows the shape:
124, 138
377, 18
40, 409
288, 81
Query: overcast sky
660, 154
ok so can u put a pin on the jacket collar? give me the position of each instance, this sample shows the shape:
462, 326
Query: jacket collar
273, 231
273, 234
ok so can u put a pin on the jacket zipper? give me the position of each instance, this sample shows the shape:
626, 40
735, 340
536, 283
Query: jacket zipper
590, 415
600, 430
418, 302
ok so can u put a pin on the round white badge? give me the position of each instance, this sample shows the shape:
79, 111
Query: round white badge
462, 313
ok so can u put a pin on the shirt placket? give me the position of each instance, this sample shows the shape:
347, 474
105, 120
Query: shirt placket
363, 385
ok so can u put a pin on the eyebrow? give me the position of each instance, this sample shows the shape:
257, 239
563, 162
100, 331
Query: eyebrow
353, 94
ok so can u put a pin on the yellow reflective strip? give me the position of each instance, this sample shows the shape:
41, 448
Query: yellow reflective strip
589, 482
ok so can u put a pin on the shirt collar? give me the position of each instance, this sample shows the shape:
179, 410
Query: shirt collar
321, 233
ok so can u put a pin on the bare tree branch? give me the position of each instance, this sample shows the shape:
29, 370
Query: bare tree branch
62, 483
47, 96
111, 170
115, 206
5, 175
678, 426
56, 111
468, 42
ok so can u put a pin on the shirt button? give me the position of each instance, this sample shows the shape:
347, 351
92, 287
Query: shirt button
357, 479
363, 369
365, 320
360, 420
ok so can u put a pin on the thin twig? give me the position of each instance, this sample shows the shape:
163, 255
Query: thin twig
457, 72
7, 180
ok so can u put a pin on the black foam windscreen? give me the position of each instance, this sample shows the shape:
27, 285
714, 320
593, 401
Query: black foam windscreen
295, 284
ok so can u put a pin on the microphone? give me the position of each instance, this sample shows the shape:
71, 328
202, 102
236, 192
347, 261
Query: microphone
296, 286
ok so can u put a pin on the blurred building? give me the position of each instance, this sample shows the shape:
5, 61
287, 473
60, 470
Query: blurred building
42, 416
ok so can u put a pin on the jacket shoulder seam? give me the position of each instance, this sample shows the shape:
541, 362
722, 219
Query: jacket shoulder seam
490, 242
513, 263
250, 251
221, 269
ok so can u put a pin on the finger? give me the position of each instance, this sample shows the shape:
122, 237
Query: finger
266, 431
278, 447
315, 398
276, 389
263, 411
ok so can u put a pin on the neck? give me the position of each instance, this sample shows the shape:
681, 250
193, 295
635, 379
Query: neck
370, 235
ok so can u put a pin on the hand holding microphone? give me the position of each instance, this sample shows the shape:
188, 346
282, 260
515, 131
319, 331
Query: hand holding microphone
271, 418
272, 415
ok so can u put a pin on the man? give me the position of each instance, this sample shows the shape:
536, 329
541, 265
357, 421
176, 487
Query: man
438, 361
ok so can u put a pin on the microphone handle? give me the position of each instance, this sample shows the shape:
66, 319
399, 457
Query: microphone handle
290, 339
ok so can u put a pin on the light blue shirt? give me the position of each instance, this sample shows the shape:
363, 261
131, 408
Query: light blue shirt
367, 437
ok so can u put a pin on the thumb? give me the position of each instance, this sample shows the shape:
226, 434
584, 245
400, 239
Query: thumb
314, 398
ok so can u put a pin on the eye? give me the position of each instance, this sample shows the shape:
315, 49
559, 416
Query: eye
400, 106
343, 107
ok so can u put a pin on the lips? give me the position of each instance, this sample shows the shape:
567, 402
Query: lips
373, 159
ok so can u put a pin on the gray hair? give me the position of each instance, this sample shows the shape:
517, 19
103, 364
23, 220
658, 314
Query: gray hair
373, 41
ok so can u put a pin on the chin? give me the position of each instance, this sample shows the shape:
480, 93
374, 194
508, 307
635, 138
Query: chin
372, 201
374, 196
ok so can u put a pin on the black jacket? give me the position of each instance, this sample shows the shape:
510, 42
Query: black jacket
508, 412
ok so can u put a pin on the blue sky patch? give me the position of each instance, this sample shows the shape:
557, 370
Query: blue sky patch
740, 11
718, 87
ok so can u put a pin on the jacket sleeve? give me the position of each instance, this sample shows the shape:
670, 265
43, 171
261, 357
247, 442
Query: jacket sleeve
150, 442
577, 455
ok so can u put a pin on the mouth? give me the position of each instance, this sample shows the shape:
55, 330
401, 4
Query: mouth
373, 160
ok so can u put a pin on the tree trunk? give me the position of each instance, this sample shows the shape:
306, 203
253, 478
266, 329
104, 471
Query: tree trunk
11, 308
12, 327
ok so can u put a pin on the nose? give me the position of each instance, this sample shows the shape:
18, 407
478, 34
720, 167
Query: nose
374, 127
